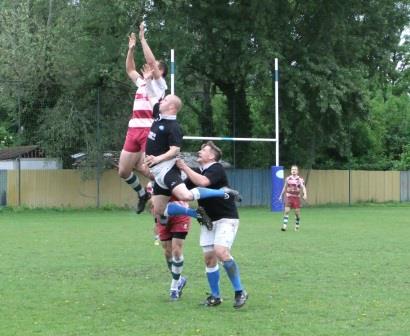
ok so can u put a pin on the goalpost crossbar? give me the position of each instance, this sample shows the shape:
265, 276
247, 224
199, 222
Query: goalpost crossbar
229, 139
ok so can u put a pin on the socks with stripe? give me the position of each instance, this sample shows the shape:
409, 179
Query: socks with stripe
176, 270
134, 182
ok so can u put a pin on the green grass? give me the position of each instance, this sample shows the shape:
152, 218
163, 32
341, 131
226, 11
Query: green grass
98, 273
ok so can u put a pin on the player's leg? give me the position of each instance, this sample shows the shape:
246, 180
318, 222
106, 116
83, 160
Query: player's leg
149, 190
127, 162
156, 234
206, 241
144, 196
159, 200
174, 184
285, 217
179, 227
297, 219
225, 233
142, 168
174, 209
213, 276
197, 193
159, 203
178, 281
165, 236
173, 180
167, 247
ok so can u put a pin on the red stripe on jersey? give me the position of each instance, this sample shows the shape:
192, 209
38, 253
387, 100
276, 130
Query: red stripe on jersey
294, 186
145, 114
141, 96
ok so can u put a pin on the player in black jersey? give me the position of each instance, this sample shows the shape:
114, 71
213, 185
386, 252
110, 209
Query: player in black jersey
216, 244
163, 145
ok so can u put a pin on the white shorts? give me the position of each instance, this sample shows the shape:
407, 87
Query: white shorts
160, 170
223, 233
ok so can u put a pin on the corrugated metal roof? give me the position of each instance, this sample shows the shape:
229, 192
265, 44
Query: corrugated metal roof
21, 151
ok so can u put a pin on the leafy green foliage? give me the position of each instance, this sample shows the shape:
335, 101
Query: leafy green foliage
6, 139
336, 58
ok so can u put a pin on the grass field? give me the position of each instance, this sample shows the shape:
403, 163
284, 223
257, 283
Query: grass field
92, 272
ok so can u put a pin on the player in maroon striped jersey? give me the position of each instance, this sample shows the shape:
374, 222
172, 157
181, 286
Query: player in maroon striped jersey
294, 188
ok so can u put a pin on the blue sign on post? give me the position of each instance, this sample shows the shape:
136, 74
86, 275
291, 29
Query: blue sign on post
277, 186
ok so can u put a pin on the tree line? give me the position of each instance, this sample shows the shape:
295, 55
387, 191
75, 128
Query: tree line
344, 76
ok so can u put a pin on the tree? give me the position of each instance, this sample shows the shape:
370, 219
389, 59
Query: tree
335, 59
331, 54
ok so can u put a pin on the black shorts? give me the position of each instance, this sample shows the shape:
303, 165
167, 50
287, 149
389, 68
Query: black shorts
178, 235
171, 179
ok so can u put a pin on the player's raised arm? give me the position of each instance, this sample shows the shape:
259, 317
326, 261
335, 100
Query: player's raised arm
148, 54
129, 61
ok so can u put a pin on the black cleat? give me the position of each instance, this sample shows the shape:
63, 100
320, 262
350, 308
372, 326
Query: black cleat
212, 301
232, 193
203, 218
240, 299
143, 202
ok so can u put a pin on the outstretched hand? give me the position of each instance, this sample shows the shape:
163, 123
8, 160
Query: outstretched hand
132, 40
142, 30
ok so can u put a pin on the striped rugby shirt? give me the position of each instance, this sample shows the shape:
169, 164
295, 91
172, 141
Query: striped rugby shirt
294, 185
142, 113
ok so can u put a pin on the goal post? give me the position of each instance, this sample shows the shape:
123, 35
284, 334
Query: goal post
277, 174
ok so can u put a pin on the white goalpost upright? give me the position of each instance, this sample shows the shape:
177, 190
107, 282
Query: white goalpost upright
277, 111
277, 172
172, 72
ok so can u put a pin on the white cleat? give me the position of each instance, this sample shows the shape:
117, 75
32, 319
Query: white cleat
284, 227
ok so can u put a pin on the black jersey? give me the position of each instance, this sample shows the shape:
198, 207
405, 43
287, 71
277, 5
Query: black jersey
163, 134
155, 111
217, 208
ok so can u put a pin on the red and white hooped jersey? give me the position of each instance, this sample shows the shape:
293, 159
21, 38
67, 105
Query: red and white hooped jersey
147, 94
142, 114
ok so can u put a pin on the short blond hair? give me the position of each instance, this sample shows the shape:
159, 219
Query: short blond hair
214, 148
177, 102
